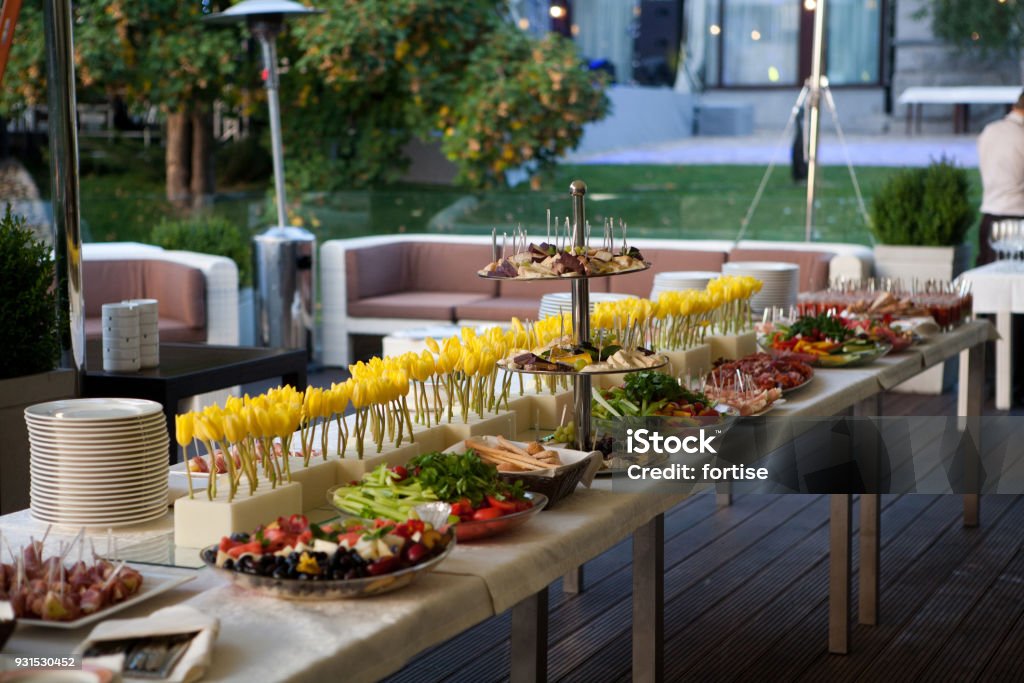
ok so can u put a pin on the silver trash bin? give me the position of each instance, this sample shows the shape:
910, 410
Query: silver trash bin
285, 288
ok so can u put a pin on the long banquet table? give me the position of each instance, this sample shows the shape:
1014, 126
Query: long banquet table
267, 639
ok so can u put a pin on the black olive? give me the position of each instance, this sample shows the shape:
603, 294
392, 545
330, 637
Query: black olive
239, 537
229, 564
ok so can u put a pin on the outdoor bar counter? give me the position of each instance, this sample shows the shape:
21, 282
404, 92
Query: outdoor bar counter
267, 639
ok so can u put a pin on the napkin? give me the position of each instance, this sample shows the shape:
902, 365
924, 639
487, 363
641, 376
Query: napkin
924, 327
168, 621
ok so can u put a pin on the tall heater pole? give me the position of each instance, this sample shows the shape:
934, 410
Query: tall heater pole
63, 134
814, 119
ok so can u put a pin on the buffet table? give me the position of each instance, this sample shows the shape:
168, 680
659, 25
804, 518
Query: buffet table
262, 638
476, 582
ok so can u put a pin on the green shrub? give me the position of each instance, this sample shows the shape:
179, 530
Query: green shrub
208, 235
928, 207
28, 304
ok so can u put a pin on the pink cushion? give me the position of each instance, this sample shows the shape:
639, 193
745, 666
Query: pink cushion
446, 267
375, 271
813, 264
180, 289
665, 260
416, 305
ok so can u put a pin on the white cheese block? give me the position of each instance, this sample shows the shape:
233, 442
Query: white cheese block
732, 346
199, 522
316, 479
693, 362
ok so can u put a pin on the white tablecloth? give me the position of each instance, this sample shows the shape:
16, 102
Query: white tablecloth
997, 286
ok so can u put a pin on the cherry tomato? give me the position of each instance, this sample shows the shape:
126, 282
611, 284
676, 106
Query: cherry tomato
486, 513
400, 472
505, 506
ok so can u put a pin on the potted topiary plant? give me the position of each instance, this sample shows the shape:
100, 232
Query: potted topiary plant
31, 350
919, 221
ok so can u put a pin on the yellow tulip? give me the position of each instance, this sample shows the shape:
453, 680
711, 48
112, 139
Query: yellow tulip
234, 428
184, 428
432, 345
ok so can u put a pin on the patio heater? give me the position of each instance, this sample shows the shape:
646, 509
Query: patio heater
284, 256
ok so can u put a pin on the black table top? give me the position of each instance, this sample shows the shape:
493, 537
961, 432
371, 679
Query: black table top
180, 361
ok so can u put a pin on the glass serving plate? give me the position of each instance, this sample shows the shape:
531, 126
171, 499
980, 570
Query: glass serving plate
325, 589
469, 531
574, 276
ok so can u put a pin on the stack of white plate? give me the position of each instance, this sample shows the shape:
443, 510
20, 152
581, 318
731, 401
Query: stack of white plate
780, 282
681, 279
98, 461
561, 302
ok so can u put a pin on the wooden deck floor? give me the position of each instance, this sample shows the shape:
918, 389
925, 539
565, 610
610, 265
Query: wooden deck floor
746, 597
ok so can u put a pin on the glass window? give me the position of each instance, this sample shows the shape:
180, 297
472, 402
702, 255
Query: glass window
854, 29
762, 42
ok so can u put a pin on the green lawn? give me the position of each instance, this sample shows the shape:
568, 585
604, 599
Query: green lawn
656, 201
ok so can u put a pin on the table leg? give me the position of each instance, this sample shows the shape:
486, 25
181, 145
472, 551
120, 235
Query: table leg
910, 119
870, 520
972, 464
868, 577
1004, 360
529, 639
572, 583
723, 493
917, 116
649, 601
840, 530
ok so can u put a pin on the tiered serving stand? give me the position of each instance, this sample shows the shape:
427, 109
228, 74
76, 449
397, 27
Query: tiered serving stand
581, 323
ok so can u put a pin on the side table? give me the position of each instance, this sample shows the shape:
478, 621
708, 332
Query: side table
998, 288
189, 369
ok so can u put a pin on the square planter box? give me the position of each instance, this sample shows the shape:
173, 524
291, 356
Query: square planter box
199, 521
16, 394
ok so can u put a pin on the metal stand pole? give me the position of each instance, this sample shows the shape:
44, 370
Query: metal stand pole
63, 134
580, 319
268, 43
814, 120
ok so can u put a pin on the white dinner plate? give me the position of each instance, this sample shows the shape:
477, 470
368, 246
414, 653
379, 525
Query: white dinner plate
77, 521
112, 463
99, 517
86, 456
95, 409
88, 493
135, 475
128, 508
97, 429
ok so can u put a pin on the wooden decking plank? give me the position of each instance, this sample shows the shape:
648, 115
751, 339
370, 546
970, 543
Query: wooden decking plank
974, 641
767, 629
1007, 662
922, 636
913, 566
611, 622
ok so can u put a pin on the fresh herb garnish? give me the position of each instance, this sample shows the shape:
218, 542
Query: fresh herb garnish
452, 476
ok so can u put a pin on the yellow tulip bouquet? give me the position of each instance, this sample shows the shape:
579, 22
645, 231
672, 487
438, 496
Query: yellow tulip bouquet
730, 296
244, 432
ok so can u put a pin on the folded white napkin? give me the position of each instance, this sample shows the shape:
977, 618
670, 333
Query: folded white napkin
167, 621
924, 326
